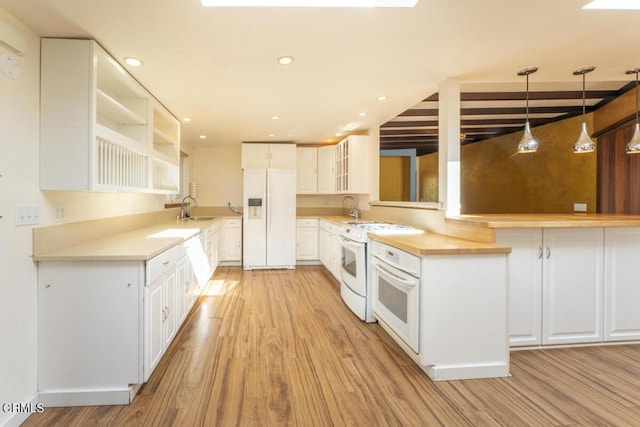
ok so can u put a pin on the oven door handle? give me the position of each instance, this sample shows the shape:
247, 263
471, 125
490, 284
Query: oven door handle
409, 283
350, 243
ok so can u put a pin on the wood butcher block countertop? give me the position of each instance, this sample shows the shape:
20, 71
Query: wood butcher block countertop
546, 220
438, 244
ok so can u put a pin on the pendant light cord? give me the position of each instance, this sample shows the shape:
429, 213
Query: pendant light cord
584, 96
528, 97
637, 96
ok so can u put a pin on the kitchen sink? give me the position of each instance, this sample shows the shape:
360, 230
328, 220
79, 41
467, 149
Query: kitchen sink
199, 218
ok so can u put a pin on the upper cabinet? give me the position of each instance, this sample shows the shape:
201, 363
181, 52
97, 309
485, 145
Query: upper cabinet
99, 128
307, 170
327, 170
352, 164
273, 156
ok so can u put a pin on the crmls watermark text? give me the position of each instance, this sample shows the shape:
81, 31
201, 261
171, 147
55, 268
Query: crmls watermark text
23, 407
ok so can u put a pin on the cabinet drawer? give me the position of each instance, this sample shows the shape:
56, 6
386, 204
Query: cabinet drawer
307, 222
330, 227
164, 262
236, 222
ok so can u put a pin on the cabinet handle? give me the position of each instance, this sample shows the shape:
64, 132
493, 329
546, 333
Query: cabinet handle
539, 252
165, 263
128, 285
47, 286
548, 252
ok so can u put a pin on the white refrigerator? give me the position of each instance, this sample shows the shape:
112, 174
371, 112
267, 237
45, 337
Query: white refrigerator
269, 219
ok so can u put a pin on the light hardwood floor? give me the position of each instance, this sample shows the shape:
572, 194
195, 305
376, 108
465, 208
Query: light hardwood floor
280, 348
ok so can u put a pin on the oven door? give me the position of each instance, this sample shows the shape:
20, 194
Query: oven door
353, 269
396, 301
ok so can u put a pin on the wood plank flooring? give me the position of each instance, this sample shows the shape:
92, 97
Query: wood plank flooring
279, 347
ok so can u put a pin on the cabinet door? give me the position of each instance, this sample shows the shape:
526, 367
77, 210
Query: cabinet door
171, 318
327, 170
622, 290
255, 156
282, 156
336, 256
154, 312
323, 248
572, 285
232, 244
358, 164
307, 244
525, 284
307, 170
183, 303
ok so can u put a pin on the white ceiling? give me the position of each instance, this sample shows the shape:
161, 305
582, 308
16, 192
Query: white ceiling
218, 65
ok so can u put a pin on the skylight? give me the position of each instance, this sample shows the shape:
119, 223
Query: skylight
310, 3
613, 4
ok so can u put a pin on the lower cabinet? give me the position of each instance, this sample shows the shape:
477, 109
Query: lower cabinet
90, 340
572, 285
231, 241
621, 286
105, 325
329, 248
307, 239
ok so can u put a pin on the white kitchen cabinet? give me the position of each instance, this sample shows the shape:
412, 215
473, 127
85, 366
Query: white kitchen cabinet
307, 239
572, 285
353, 164
327, 170
329, 248
90, 338
525, 284
555, 285
99, 128
232, 241
306, 170
263, 155
621, 285
106, 324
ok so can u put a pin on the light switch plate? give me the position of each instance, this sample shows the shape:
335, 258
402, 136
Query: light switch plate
27, 214
58, 213
580, 207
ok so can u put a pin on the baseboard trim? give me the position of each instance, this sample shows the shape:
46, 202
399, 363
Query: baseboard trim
20, 416
466, 372
59, 398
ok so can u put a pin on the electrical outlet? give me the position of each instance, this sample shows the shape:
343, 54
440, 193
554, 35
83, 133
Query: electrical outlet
580, 207
27, 214
58, 213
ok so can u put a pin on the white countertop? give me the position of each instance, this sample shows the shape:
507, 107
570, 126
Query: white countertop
137, 245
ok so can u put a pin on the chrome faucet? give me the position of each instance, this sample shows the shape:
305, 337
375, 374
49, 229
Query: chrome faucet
184, 210
354, 206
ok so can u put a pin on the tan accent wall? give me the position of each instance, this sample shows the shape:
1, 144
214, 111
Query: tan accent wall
494, 179
620, 108
395, 178
428, 178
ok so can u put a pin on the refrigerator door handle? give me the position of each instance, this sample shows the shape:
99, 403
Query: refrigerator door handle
268, 206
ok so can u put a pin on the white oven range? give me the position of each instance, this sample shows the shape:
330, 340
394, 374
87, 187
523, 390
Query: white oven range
355, 286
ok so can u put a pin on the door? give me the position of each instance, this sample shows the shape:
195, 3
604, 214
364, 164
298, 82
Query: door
622, 293
254, 245
307, 170
572, 285
154, 310
281, 218
525, 284
396, 301
353, 266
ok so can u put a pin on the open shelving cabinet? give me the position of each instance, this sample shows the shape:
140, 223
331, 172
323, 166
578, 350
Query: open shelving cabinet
100, 128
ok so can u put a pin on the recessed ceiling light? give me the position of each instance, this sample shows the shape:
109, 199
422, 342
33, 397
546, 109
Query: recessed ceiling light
272, 135
285, 60
275, 117
186, 119
311, 3
134, 62
362, 113
339, 134
203, 136
613, 4
382, 98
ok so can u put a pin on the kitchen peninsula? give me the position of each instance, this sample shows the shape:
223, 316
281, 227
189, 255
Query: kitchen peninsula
572, 278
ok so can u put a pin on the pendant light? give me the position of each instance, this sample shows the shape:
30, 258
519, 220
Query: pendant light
584, 144
528, 143
634, 144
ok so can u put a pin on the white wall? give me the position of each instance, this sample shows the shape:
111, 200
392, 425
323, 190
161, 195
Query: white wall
218, 173
18, 185
19, 174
